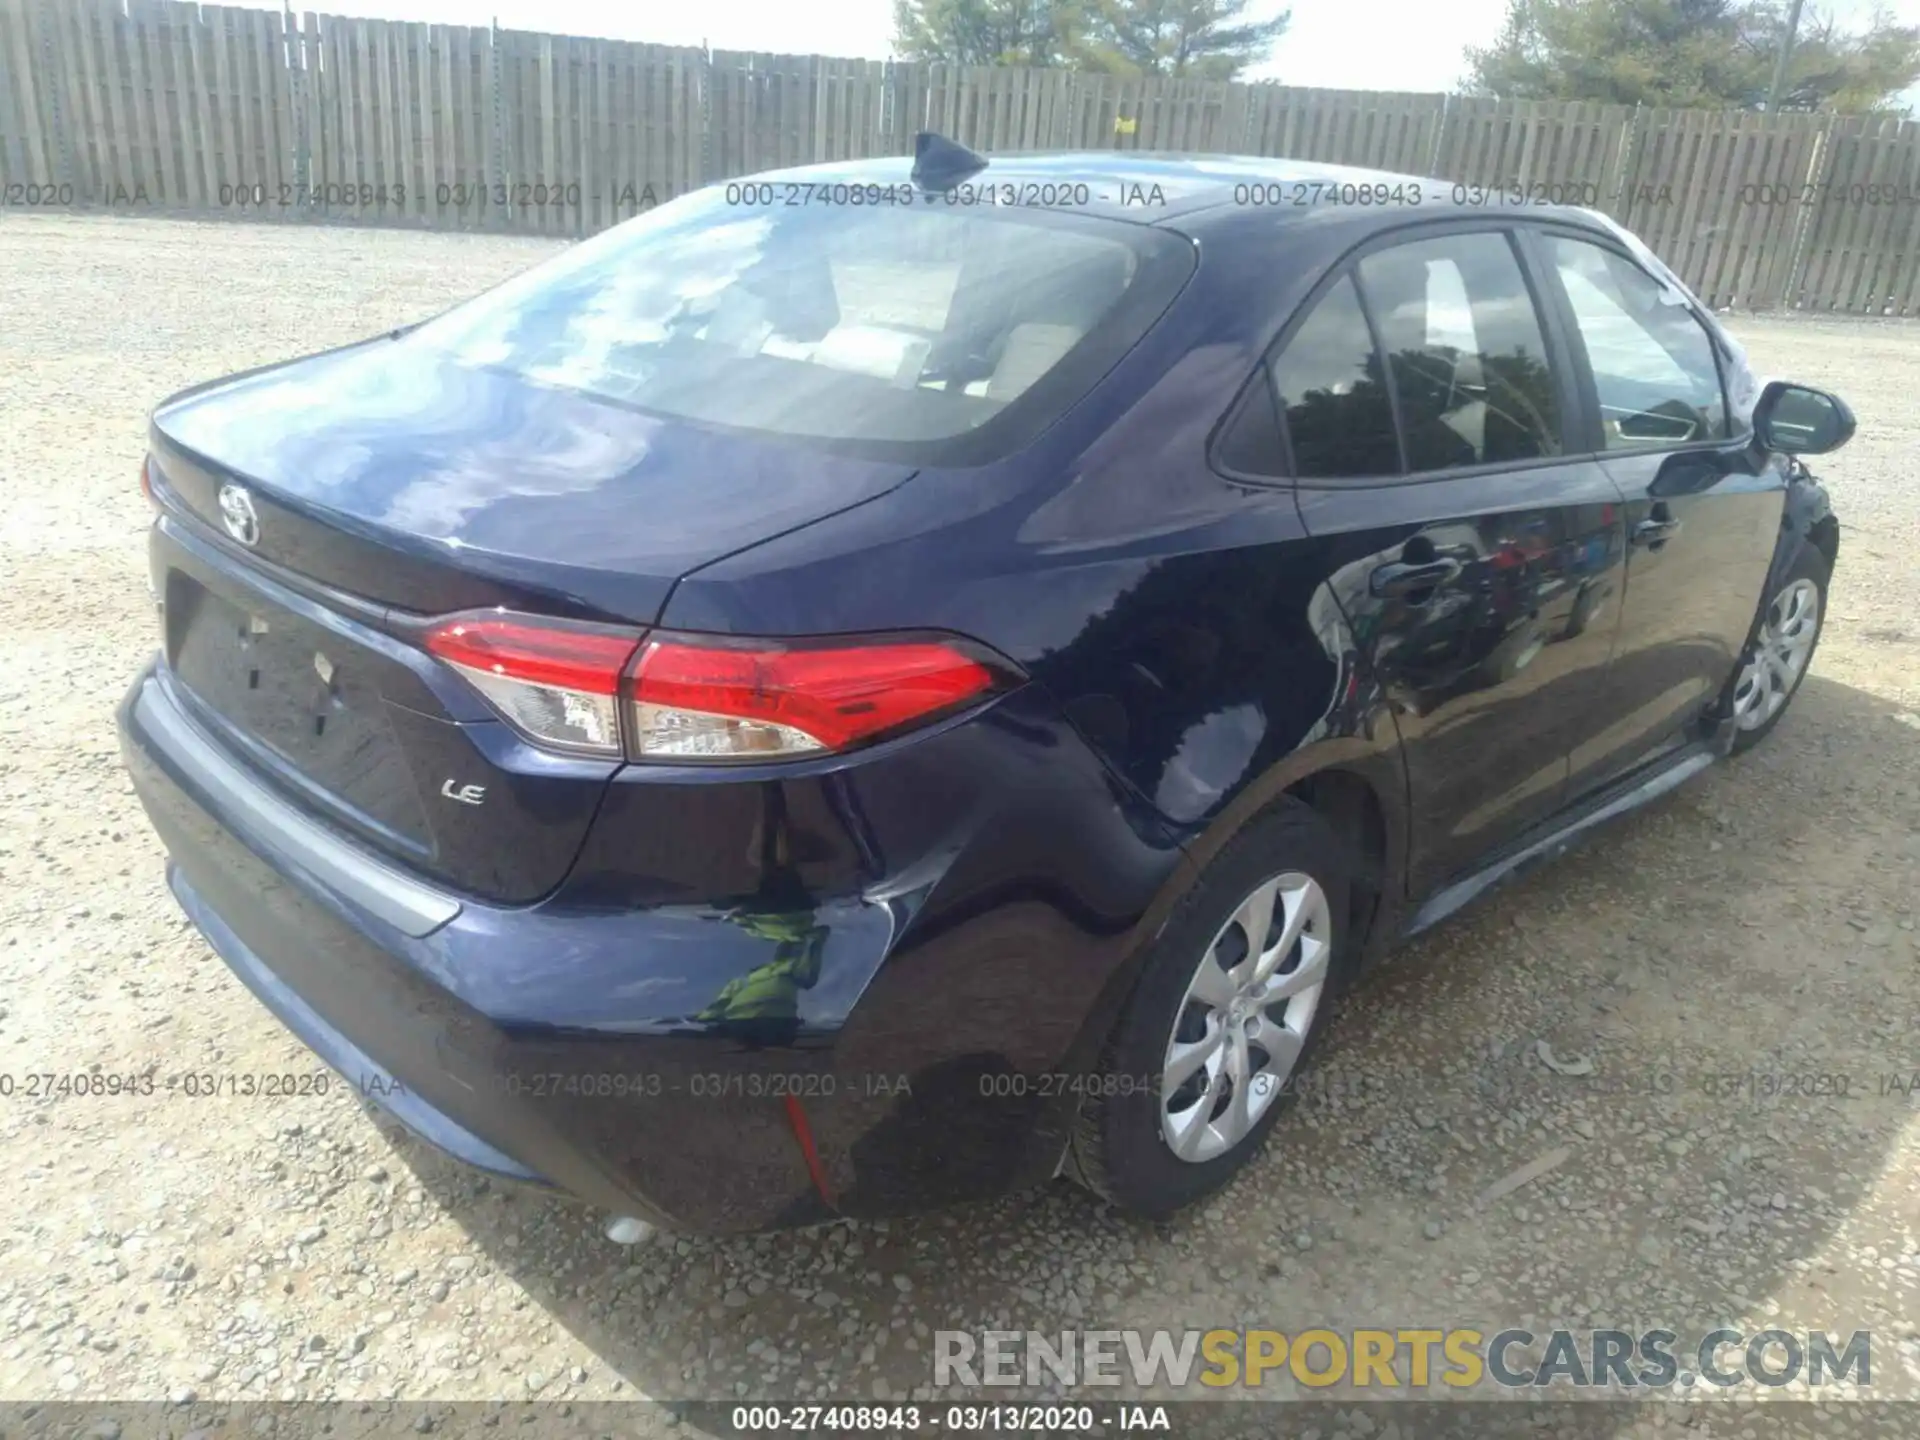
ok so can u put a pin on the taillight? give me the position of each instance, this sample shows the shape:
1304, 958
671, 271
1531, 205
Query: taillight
146, 480
555, 681
711, 698
577, 687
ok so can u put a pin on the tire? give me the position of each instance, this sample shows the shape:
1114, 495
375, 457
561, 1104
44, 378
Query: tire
1777, 658
1121, 1147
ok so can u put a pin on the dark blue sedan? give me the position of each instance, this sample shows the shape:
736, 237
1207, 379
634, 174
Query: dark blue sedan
878, 686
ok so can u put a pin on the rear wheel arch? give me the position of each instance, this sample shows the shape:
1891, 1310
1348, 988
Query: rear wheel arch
1356, 793
1351, 806
1360, 794
1117, 1143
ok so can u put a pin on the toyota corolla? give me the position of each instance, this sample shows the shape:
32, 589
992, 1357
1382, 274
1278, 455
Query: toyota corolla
794, 711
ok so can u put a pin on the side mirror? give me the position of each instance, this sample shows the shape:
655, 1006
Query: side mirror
1801, 420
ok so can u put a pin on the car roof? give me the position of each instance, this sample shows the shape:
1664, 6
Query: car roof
1150, 186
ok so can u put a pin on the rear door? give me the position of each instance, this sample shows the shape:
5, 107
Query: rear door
1702, 506
1428, 415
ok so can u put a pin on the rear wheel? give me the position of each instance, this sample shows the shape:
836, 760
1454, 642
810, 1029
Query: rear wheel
1782, 649
1228, 1007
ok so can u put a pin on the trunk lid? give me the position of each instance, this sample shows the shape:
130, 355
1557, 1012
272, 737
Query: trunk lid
392, 473
385, 486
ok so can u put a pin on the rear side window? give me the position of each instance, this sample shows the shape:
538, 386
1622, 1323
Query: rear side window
892, 330
1332, 394
1465, 350
1652, 361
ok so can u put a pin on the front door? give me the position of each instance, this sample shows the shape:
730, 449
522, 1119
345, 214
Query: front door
1702, 507
1478, 564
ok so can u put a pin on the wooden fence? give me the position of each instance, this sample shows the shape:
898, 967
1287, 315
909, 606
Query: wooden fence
169, 106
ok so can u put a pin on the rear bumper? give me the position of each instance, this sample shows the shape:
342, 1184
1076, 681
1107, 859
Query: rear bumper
661, 1059
371, 1079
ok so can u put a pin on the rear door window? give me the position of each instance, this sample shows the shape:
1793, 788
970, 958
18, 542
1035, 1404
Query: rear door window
1466, 352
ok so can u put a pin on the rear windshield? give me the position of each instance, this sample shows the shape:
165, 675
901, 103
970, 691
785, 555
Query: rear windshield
929, 332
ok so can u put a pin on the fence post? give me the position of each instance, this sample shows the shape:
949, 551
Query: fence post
497, 177
889, 109
1439, 146
1626, 167
706, 117
41, 17
11, 146
1819, 166
294, 56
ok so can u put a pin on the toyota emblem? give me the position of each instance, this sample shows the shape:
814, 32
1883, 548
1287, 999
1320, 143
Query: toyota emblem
237, 514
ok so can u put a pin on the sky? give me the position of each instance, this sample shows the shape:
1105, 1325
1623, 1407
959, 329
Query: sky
1340, 44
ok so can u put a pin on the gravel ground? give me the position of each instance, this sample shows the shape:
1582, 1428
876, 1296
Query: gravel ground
1759, 920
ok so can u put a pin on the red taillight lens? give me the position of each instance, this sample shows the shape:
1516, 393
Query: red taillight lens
146, 480
574, 687
557, 682
696, 698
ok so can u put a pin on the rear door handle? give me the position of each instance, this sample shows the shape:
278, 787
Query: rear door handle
1403, 578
